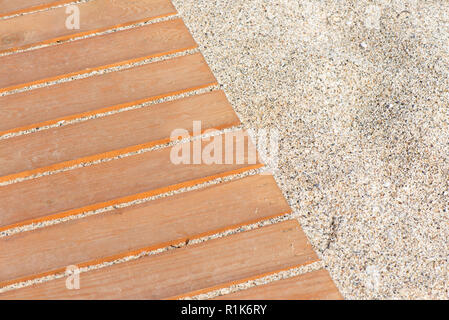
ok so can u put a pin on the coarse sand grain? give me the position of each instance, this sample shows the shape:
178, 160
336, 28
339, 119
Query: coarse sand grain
358, 91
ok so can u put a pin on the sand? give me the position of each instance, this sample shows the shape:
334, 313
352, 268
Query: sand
358, 91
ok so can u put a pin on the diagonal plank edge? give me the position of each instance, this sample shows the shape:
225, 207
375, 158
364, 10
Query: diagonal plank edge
119, 181
103, 93
188, 269
109, 137
95, 16
106, 51
141, 228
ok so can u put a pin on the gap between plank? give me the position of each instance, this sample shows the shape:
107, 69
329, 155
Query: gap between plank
4, 231
41, 8
125, 65
144, 252
82, 74
246, 284
48, 223
100, 158
91, 35
106, 112
93, 29
109, 156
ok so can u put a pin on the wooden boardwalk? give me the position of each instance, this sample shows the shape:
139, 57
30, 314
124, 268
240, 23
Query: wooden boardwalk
87, 177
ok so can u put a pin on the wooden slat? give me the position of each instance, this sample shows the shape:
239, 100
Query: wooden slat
316, 285
108, 183
12, 7
70, 58
95, 16
59, 147
148, 226
192, 268
102, 93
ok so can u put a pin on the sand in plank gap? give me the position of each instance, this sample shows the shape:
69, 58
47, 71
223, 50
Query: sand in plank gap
109, 50
191, 268
117, 181
153, 224
110, 136
95, 16
111, 91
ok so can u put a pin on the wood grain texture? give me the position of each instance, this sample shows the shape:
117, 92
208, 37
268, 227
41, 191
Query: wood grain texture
95, 16
315, 285
117, 181
187, 269
110, 136
148, 226
69, 59
111, 91
12, 7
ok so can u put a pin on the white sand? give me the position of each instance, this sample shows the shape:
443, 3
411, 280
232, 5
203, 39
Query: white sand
359, 93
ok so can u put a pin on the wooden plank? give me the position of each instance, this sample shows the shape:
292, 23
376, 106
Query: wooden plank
148, 226
316, 285
69, 59
95, 16
205, 265
108, 183
111, 91
101, 138
9, 8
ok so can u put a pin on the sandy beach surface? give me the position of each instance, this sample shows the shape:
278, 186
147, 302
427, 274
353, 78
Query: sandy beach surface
359, 92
